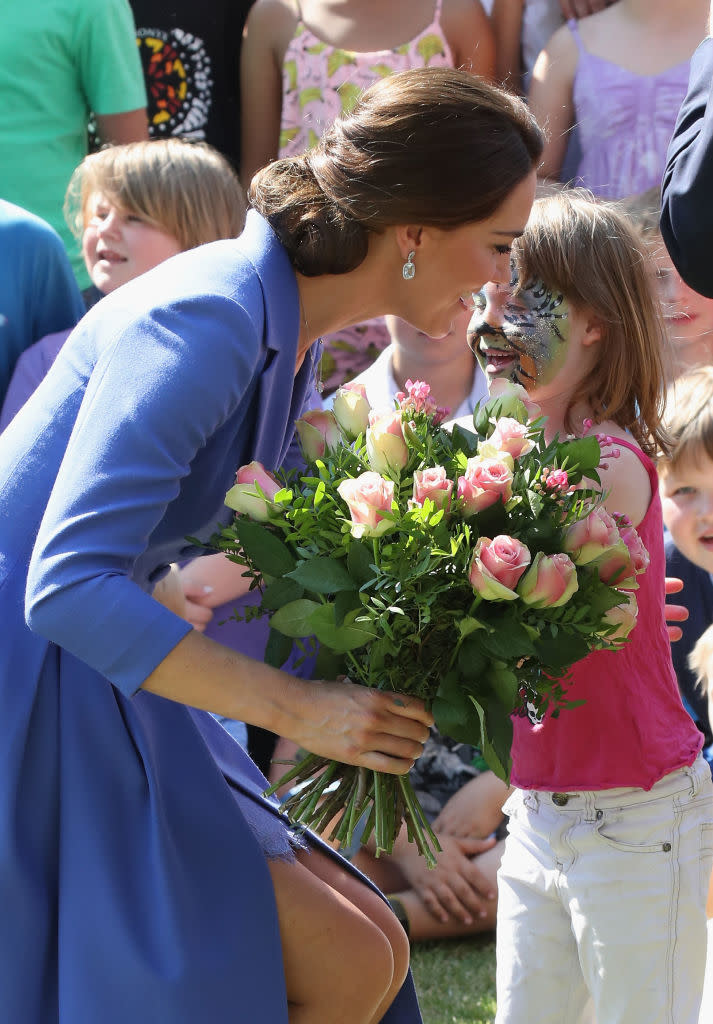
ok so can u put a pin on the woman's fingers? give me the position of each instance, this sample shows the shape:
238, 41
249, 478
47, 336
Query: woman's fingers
358, 725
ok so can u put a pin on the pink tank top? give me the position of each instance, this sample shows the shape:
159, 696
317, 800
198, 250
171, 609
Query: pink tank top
320, 81
632, 729
625, 122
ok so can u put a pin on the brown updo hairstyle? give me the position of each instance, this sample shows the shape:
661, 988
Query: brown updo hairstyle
435, 146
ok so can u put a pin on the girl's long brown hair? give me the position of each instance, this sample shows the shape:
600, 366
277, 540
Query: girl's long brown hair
590, 252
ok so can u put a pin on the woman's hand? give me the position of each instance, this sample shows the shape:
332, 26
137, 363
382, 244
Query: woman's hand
339, 720
358, 725
456, 887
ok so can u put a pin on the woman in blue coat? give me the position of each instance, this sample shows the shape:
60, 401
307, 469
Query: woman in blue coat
143, 878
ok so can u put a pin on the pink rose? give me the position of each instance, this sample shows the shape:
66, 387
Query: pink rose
351, 409
549, 582
253, 492
509, 436
386, 447
318, 432
637, 551
485, 481
434, 484
615, 567
623, 617
368, 497
591, 537
496, 566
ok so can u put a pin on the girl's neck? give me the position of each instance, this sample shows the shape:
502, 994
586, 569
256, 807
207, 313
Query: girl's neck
579, 422
366, 25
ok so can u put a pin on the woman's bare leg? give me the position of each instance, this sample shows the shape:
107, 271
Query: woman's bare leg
338, 963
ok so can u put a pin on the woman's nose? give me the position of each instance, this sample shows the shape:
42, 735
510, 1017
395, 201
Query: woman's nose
503, 269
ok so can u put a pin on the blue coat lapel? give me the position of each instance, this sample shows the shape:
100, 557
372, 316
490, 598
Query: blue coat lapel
281, 395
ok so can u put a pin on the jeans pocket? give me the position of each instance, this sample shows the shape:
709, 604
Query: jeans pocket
625, 833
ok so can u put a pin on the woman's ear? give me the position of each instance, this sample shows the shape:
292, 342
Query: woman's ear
408, 238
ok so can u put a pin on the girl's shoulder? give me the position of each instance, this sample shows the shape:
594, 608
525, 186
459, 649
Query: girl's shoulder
625, 473
273, 21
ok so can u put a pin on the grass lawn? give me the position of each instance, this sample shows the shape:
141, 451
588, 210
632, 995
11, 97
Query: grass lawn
455, 980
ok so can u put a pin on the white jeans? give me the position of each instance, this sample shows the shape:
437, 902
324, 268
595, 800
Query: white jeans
601, 903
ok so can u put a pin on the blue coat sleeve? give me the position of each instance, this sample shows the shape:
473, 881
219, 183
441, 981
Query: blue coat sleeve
687, 210
157, 394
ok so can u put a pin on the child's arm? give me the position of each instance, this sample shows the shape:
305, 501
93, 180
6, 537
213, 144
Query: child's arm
550, 98
261, 86
467, 28
506, 19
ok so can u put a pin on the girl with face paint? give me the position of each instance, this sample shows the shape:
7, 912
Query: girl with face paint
601, 900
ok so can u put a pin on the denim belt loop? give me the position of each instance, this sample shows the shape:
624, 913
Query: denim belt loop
694, 777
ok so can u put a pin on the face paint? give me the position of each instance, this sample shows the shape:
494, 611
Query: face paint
542, 317
522, 338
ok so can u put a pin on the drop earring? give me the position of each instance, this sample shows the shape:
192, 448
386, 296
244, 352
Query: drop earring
409, 268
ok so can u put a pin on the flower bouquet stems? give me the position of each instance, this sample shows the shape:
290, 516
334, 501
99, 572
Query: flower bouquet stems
324, 790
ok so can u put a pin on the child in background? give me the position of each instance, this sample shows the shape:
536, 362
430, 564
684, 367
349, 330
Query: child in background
133, 206
521, 29
688, 316
601, 890
462, 799
686, 484
456, 380
305, 61
620, 76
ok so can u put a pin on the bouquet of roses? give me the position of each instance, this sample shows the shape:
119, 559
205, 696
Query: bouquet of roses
470, 567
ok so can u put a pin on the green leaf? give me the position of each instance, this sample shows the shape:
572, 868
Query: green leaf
558, 649
583, 455
347, 637
322, 575
279, 592
454, 713
263, 548
360, 558
329, 664
496, 751
346, 601
471, 659
277, 649
510, 640
468, 625
293, 619
465, 440
504, 684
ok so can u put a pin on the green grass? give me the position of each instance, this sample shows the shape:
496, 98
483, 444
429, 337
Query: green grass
455, 980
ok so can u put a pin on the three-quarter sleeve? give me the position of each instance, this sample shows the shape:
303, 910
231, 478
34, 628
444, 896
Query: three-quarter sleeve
156, 396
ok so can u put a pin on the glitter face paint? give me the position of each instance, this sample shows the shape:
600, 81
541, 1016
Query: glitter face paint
525, 337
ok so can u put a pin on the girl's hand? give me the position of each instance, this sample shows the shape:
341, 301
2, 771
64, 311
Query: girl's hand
357, 725
456, 887
475, 810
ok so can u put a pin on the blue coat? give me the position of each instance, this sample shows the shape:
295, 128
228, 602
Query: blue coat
687, 211
132, 889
